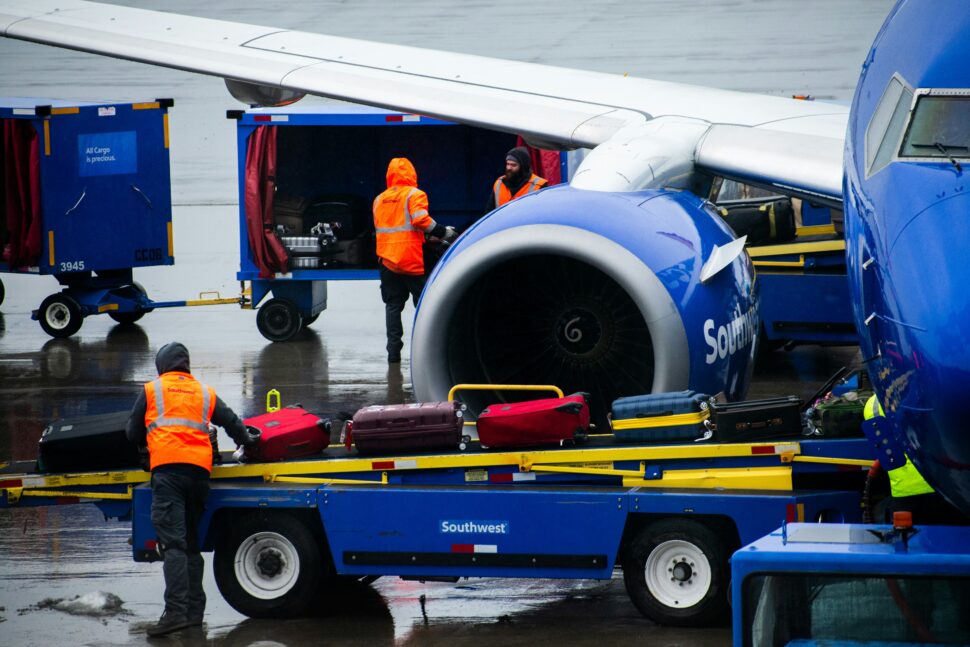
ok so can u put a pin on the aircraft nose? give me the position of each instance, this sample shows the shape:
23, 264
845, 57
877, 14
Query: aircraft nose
926, 280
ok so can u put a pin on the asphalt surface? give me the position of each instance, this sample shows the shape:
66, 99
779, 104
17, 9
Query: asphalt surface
46, 555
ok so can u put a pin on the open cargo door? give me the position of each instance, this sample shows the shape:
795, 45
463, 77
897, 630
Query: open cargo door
20, 229
269, 255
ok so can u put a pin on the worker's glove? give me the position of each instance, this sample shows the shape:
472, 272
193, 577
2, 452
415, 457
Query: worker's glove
450, 234
144, 459
252, 436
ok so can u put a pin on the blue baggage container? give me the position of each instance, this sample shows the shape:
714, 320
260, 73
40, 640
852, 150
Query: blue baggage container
661, 417
87, 198
92, 187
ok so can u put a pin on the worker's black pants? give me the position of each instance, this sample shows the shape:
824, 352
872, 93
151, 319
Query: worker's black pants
177, 505
395, 289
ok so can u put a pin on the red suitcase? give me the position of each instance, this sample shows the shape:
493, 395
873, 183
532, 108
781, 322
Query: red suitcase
291, 432
408, 427
534, 423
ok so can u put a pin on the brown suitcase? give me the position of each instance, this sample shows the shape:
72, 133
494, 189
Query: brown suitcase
408, 427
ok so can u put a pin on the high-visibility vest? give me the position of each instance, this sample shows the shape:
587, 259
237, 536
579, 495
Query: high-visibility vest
503, 195
177, 414
905, 480
401, 220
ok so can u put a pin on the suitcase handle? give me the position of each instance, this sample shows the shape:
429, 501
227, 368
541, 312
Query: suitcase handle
503, 387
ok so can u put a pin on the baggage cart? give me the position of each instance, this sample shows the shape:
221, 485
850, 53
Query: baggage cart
89, 200
300, 167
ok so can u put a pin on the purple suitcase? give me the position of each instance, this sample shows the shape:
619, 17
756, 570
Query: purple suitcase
408, 427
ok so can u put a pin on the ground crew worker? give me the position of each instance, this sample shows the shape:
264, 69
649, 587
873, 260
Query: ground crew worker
171, 416
517, 181
909, 489
401, 221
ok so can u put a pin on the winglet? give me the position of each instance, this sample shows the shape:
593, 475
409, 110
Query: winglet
721, 257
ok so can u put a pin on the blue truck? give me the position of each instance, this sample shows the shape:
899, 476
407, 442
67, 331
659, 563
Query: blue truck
669, 515
809, 585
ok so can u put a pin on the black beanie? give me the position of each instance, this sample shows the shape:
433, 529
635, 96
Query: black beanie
521, 155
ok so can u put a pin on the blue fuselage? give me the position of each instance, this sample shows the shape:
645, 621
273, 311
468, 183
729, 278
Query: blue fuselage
907, 213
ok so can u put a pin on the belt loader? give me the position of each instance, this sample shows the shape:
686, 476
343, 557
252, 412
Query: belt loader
669, 515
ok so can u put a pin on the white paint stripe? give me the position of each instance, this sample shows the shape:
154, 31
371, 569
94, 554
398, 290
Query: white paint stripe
485, 548
781, 449
405, 465
35, 482
23, 111
411, 118
524, 476
279, 118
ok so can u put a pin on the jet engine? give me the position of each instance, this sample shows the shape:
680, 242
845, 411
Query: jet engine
590, 291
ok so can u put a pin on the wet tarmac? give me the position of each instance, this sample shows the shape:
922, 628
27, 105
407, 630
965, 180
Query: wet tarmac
52, 560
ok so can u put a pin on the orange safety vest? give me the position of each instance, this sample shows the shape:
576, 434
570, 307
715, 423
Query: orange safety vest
177, 414
401, 219
503, 195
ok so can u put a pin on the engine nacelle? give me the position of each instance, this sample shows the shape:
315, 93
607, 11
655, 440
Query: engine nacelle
591, 291
266, 96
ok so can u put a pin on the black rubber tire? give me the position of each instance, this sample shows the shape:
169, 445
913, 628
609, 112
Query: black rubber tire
295, 562
685, 545
308, 321
3, 293
126, 318
279, 320
60, 315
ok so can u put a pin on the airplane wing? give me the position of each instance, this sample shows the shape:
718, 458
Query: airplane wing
793, 145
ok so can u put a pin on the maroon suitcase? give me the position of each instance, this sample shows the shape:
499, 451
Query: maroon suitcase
534, 423
291, 432
408, 427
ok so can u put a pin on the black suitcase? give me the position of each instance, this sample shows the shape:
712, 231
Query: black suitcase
757, 420
86, 444
348, 215
772, 222
359, 252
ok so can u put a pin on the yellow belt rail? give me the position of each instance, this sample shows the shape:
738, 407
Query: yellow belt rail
675, 420
579, 460
796, 248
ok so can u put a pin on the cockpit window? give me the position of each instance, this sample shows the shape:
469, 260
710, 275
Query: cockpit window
886, 125
939, 127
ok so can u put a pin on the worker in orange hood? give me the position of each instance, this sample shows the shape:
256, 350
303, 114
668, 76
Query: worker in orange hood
401, 221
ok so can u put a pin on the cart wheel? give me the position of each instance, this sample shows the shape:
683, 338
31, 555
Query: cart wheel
279, 320
676, 573
309, 320
269, 565
126, 318
60, 315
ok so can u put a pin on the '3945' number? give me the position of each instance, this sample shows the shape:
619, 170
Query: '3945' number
71, 266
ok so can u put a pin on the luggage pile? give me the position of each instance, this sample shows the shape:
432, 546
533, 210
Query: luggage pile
98, 442
687, 416
329, 232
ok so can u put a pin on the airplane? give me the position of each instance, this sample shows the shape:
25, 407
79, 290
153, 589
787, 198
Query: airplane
627, 280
